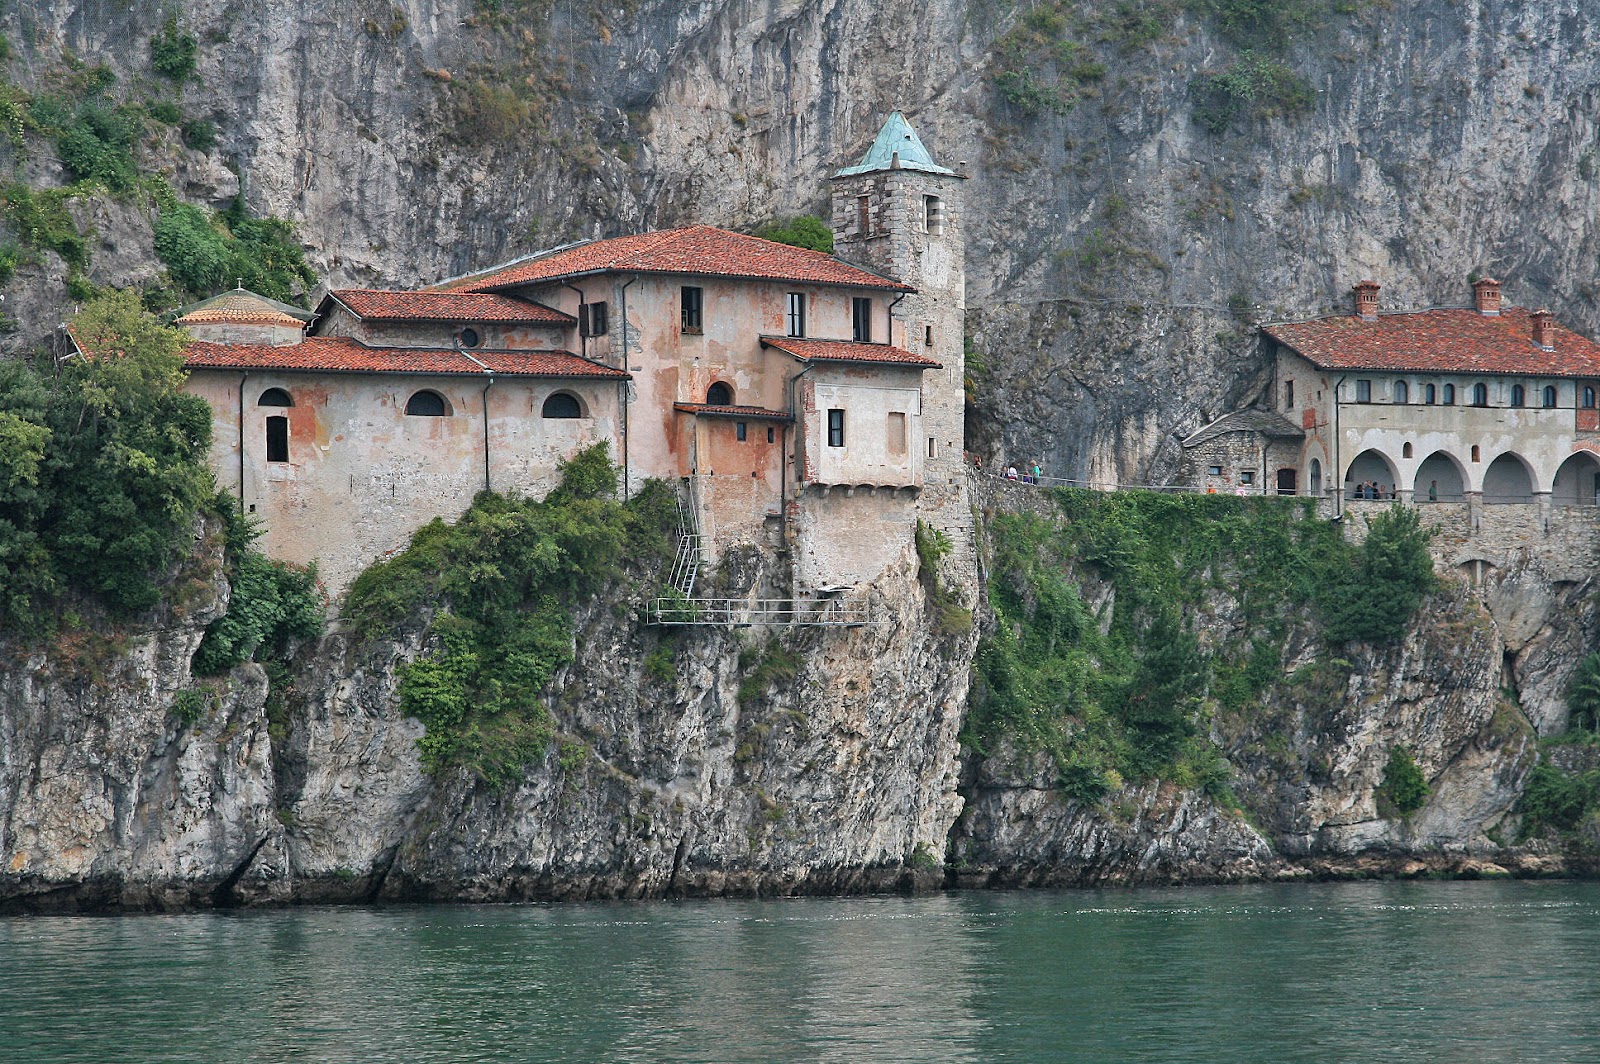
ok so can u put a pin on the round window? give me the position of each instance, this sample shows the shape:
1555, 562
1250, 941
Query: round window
469, 338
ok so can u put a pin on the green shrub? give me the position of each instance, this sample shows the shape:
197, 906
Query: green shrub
765, 669
1404, 787
1583, 695
806, 231
199, 134
1557, 801
204, 255
173, 53
950, 616
42, 222
103, 467
496, 591
1370, 595
1251, 85
271, 603
164, 111
192, 704
96, 144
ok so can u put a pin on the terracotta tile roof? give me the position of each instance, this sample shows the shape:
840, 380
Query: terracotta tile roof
241, 307
1450, 340
807, 350
753, 413
695, 249
337, 354
382, 305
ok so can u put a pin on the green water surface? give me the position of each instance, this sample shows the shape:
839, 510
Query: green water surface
1341, 972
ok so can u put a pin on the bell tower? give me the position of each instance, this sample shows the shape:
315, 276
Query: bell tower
899, 213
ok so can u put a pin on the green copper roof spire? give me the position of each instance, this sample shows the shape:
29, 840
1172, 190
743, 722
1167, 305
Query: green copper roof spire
897, 148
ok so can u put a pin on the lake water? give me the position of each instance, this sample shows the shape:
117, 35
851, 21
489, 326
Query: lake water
1340, 972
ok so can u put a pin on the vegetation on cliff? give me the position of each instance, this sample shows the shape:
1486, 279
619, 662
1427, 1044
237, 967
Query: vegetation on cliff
102, 467
497, 591
1096, 656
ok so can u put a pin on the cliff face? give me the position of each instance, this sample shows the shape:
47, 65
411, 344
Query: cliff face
1125, 222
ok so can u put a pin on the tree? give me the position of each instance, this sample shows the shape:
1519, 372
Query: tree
806, 231
1371, 600
1583, 695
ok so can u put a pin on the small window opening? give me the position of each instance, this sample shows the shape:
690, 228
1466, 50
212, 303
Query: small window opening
772, 435
719, 394
1213, 471
927, 335
693, 302
277, 439
1363, 391
1288, 395
861, 319
1405, 451
797, 314
1449, 395
1430, 394
933, 447
562, 405
932, 215
741, 431
863, 215
1549, 397
275, 397
1402, 392
1480, 395
593, 319
835, 428
427, 404
1588, 398
1475, 453
1517, 395
1247, 476
470, 338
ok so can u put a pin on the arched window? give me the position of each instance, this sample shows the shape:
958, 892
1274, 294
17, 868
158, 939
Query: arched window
1429, 394
275, 397
719, 394
1316, 477
427, 404
1517, 395
561, 404
1402, 392
1475, 457
1405, 451
1449, 395
1549, 397
1588, 398
1480, 395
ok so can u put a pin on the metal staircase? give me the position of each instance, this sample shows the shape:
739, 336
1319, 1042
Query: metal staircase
678, 603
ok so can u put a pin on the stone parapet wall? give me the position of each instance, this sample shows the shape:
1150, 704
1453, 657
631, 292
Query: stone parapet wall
1563, 538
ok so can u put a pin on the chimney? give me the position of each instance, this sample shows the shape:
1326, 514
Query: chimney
1367, 300
1486, 296
1544, 329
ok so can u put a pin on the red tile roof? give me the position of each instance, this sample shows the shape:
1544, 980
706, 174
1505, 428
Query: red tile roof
695, 249
847, 351
1452, 340
382, 305
753, 413
337, 354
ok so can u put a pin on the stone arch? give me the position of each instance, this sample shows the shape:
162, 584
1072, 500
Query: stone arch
1370, 465
1508, 480
427, 403
719, 394
1440, 478
562, 405
1577, 482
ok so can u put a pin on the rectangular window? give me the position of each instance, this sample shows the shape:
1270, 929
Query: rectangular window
933, 448
861, 319
863, 215
1363, 391
836, 428
592, 319
277, 439
1247, 476
1214, 471
897, 433
740, 431
927, 335
1288, 395
692, 301
797, 314
771, 434
932, 215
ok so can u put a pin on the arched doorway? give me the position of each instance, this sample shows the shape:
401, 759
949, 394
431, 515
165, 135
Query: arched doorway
1507, 481
1370, 476
1440, 478
1578, 481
